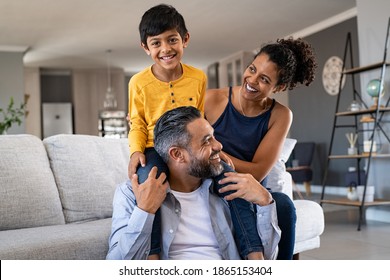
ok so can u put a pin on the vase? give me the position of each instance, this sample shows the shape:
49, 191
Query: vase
352, 194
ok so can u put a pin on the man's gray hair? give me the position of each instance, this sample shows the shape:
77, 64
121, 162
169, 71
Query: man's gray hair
171, 130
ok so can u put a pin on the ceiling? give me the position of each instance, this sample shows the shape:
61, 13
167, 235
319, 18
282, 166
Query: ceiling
77, 33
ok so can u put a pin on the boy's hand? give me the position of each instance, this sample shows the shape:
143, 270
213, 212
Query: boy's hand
151, 193
136, 159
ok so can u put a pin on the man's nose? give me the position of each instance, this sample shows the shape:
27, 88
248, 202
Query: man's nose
217, 146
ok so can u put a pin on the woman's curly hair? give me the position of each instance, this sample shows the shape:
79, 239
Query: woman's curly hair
295, 60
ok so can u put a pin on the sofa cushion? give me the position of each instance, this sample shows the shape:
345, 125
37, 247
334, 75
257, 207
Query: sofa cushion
87, 169
77, 241
28, 193
278, 179
310, 225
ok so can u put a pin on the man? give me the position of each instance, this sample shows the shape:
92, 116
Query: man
196, 223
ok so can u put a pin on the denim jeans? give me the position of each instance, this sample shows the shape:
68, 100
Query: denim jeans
153, 159
243, 218
287, 219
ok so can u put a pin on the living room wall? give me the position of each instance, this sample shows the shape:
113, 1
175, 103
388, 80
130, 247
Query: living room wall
11, 73
314, 108
372, 19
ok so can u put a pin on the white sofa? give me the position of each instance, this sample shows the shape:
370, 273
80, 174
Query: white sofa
310, 217
56, 197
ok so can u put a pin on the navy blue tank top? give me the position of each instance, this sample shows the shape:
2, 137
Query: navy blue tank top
241, 135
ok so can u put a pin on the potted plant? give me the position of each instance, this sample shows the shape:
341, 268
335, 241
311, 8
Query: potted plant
11, 115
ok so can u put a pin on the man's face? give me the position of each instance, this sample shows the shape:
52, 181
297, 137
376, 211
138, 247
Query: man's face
204, 150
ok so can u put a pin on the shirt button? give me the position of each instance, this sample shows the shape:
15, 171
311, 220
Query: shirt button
260, 215
177, 210
170, 85
173, 101
171, 231
172, 94
190, 98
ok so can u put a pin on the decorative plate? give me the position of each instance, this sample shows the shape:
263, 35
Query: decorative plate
331, 75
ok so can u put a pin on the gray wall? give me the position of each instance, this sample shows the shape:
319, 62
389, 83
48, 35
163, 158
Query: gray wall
373, 17
314, 108
11, 83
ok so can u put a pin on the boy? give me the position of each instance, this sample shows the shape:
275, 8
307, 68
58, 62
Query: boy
165, 85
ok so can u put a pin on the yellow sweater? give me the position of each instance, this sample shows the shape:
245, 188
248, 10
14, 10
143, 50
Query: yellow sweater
149, 98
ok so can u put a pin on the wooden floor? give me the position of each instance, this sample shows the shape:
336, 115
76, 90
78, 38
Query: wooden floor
342, 241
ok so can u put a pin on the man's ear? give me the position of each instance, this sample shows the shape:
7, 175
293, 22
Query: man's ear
146, 49
186, 40
176, 154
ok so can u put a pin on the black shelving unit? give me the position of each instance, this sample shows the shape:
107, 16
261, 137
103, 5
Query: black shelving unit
374, 114
112, 124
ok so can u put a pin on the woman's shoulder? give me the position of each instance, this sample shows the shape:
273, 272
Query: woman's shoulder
217, 94
281, 114
282, 108
215, 102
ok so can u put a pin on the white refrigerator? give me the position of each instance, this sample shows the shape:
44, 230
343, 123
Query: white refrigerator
57, 118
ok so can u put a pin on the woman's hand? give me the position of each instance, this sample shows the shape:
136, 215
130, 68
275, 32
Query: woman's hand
245, 187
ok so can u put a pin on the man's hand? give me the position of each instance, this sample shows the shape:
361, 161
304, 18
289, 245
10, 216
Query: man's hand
246, 187
135, 159
151, 193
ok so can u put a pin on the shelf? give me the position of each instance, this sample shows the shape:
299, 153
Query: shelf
359, 156
371, 115
357, 203
365, 68
112, 115
362, 112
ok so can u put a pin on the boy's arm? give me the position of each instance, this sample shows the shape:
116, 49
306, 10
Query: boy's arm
202, 95
138, 127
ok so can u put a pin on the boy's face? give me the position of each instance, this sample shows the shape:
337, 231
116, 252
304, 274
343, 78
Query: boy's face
166, 49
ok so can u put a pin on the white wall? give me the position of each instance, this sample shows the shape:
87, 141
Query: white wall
11, 83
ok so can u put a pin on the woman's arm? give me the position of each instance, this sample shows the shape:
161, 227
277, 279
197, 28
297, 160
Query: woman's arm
270, 147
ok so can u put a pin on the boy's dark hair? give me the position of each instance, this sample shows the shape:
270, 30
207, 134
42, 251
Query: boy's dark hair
159, 19
171, 129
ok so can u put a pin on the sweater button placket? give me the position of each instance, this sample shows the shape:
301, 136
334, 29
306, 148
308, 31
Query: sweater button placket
172, 94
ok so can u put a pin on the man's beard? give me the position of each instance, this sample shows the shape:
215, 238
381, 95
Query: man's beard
204, 168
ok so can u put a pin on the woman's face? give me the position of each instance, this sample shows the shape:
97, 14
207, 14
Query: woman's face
260, 78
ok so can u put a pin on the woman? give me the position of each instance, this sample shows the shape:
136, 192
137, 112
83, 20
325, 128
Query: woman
252, 126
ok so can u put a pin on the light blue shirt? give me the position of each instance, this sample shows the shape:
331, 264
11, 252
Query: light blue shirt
132, 227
